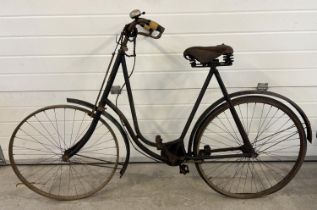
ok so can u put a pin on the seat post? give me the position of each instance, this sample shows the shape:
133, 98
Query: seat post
247, 147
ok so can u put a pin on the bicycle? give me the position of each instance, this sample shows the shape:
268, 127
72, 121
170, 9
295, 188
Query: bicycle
245, 145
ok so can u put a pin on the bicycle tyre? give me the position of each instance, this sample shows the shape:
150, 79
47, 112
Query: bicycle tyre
37, 145
267, 163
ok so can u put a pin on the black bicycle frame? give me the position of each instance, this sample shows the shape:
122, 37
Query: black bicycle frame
137, 135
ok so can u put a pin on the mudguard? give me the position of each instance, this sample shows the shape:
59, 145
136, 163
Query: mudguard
115, 122
238, 94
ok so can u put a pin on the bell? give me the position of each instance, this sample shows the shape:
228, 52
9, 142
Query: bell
135, 13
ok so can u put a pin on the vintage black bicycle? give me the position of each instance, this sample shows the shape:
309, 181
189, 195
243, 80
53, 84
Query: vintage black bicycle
245, 145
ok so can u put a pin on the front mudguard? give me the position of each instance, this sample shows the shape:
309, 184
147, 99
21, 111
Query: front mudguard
115, 122
238, 94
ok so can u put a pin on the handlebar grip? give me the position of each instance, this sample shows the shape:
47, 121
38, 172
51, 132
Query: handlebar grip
152, 26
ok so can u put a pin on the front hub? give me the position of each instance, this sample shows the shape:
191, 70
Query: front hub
65, 157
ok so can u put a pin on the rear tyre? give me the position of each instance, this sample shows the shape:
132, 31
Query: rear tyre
276, 134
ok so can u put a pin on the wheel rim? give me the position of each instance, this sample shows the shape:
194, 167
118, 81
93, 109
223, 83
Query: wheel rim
278, 139
39, 141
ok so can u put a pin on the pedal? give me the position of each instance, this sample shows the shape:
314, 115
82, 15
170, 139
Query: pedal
183, 169
159, 142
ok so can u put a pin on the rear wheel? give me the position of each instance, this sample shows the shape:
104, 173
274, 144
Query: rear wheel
276, 134
38, 143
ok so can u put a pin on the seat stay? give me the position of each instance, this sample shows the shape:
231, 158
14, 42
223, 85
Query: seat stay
247, 146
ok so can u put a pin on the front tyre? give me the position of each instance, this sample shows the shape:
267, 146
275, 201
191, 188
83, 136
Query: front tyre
39, 141
276, 134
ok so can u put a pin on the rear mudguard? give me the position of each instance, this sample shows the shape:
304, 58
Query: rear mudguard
116, 123
238, 94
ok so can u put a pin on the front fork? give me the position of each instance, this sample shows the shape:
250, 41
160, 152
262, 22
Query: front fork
96, 115
75, 148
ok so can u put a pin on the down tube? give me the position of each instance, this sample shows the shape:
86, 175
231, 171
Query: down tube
132, 107
131, 132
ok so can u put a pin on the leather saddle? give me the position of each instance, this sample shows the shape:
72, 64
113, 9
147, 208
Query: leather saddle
206, 55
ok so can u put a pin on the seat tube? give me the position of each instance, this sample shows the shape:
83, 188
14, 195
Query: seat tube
247, 145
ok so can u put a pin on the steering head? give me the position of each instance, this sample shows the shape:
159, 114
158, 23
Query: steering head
149, 28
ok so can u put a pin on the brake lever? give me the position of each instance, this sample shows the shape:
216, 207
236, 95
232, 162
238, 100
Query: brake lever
157, 36
150, 34
144, 34
160, 30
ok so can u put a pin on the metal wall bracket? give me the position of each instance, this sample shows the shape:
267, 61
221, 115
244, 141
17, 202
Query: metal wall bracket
2, 160
262, 86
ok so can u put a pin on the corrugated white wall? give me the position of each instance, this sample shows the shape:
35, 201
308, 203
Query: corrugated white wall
53, 49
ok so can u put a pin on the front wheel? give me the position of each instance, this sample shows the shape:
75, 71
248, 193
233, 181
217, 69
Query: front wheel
38, 144
276, 134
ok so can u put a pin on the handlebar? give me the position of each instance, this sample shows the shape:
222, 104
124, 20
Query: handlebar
151, 27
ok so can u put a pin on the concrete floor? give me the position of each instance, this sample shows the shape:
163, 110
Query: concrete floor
157, 186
